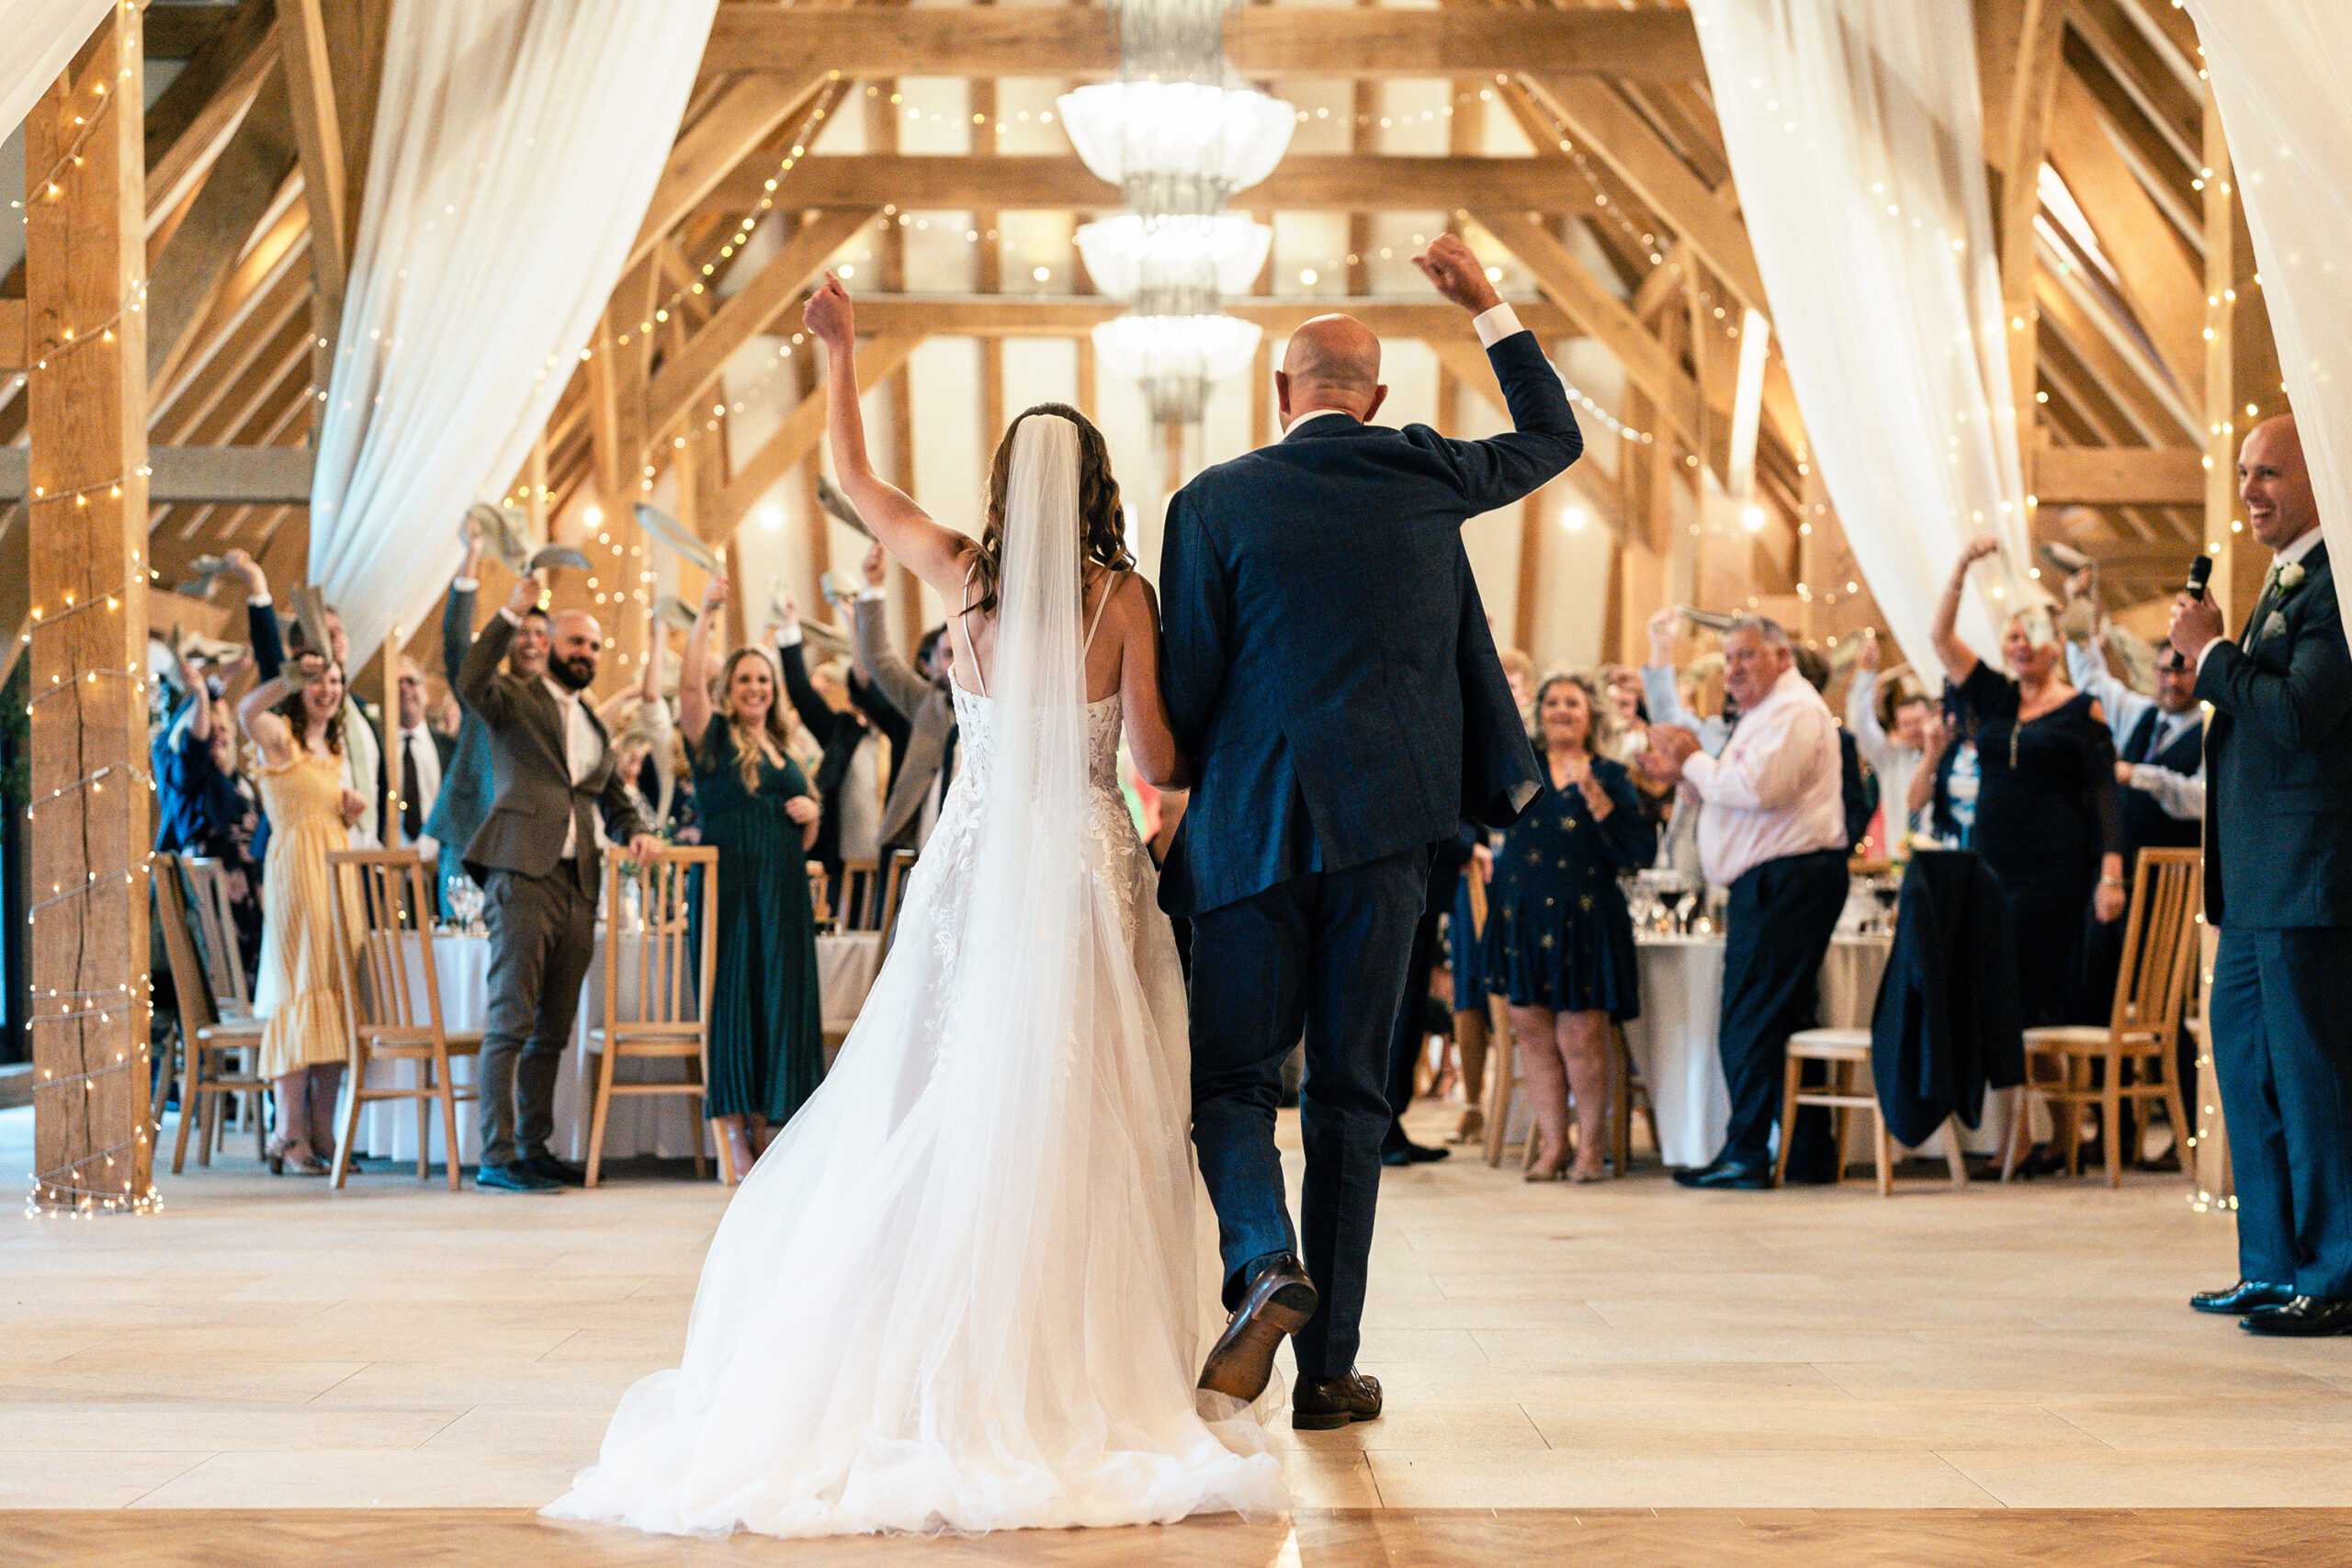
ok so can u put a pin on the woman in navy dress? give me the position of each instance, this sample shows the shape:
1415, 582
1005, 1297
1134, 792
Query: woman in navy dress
1559, 938
754, 805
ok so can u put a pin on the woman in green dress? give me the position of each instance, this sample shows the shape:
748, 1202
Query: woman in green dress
756, 808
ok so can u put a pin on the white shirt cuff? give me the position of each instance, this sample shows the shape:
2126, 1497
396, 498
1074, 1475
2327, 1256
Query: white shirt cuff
1495, 325
789, 636
512, 619
872, 595
464, 585
1696, 769
260, 604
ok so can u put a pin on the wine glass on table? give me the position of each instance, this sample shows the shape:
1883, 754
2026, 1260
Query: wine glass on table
1888, 892
1672, 894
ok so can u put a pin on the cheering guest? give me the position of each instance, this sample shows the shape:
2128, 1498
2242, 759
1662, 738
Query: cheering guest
849, 773
1559, 938
363, 754
925, 765
536, 854
2047, 821
468, 787
207, 806
1895, 755
298, 724
421, 758
767, 1047
1772, 830
2279, 883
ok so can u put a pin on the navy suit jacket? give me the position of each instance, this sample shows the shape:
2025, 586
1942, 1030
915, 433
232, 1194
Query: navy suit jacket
1330, 668
468, 785
2279, 763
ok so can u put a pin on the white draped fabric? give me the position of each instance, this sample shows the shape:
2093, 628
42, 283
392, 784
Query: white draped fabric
516, 146
38, 39
2283, 73
1854, 133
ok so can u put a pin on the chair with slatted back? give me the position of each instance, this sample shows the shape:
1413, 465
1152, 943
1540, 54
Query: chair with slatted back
894, 891
2160, 952
821, 892
858, 896
391, 996
216, 929
205, 1042
657, 989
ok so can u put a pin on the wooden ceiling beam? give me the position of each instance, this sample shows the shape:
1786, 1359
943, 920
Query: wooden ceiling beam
1071, 315
190, 119
318, 133
719, 144
245, 186
1083, 42
1302, 182
2118, 475
877, 360
685, 378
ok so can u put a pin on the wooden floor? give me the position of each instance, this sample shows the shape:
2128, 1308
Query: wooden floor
1561, 1361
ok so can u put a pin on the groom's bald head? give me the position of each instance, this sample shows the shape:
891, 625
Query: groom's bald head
1333, 362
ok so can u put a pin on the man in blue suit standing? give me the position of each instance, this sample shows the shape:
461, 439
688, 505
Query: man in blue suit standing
2279, 883
1330, 670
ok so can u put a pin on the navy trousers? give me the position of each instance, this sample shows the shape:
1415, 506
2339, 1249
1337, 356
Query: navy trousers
1781, 917
1324, 955
2282, 1055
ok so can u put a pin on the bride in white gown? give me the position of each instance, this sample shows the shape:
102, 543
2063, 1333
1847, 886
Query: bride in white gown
969, 1286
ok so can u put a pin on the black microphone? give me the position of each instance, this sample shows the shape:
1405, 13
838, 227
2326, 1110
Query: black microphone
2199, 571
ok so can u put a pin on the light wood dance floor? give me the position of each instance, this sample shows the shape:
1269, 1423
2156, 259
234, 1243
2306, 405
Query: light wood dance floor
1627, 1370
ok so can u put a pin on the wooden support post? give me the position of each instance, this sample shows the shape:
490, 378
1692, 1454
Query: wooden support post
2241, 377
86, 264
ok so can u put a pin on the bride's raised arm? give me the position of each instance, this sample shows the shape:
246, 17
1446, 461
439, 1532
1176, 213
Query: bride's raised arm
939, 555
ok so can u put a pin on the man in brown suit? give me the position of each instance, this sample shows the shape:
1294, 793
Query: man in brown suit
536, 854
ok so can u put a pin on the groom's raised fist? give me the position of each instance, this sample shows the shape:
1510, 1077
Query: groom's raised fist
1456, 269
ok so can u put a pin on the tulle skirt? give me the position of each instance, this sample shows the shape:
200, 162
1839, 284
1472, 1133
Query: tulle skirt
970, 1286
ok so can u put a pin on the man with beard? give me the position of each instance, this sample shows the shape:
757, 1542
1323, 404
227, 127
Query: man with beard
536, 854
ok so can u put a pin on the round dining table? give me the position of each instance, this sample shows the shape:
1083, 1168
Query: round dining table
664, 1125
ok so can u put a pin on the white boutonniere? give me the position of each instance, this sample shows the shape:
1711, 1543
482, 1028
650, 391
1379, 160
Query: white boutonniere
2291, 577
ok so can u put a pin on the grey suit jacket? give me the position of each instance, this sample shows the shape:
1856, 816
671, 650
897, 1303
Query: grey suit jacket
535, 800
931, 718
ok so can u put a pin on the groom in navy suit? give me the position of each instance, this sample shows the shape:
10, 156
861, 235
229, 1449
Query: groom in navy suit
1330, 670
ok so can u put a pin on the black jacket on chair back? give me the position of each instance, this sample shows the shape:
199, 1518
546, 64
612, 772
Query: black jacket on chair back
1329, 668
1948, 1025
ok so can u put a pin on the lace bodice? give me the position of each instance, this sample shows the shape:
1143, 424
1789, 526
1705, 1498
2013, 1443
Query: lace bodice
975, 716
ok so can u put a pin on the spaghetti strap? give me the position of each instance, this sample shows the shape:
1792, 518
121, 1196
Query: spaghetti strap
964, 625
1110, 586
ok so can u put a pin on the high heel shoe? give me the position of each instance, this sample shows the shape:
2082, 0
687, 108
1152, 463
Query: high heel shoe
1545, 1172
286, 1155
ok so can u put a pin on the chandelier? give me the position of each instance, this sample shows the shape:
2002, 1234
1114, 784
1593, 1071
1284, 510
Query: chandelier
1178, 142
1177, 359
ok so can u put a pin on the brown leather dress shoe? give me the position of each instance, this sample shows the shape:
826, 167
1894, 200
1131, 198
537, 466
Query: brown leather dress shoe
1324, 1405
1278, 1302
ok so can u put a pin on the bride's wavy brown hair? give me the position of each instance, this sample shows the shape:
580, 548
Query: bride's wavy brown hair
1102, 523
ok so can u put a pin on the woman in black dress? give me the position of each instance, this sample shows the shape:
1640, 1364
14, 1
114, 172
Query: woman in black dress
767, 1046
2047, 821
1559, 938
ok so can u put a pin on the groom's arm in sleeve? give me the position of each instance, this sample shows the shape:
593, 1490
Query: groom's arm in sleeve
1196, 612
1544, 439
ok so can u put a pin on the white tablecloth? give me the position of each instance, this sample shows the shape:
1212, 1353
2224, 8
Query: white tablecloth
1673, 1043
670, 1126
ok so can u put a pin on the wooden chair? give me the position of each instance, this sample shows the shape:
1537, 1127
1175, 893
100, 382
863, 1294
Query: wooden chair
894, 892
2160, 951
205, 1042
391, 995
1624, 1091
1847, 1053
670, 958
216, 926
857, 899
821, 888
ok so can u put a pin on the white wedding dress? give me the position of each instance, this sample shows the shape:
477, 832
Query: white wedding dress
970, 1286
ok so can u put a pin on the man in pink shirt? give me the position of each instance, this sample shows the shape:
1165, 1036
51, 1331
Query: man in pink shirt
1774, 833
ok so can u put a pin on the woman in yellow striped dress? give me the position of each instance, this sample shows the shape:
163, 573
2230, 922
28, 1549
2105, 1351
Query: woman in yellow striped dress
297, 721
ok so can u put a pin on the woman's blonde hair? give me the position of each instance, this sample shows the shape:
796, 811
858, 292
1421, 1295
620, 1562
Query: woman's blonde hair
746, 741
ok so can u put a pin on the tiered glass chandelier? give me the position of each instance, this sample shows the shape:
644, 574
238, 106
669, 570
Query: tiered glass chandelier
1179, 141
